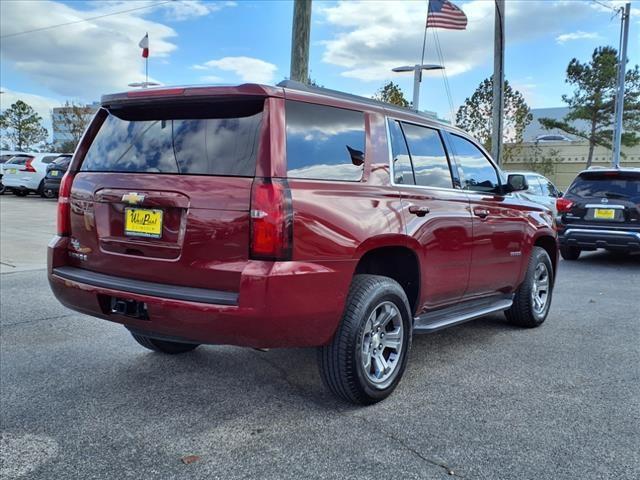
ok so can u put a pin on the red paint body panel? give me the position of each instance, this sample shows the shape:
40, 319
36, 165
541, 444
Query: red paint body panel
206, 237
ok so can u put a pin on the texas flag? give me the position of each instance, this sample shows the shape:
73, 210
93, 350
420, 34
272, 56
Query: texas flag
144, 45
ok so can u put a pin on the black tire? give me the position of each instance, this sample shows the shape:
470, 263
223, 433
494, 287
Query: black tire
2, 189
21, 193
341, 368
48, 193
524, 312
570, 253
40, 190
163, 346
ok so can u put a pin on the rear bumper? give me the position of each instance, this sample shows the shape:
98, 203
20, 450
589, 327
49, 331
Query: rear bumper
22, 182
52, 184
279, 304
592, 238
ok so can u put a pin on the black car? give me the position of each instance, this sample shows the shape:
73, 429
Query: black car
601, 209
55, 171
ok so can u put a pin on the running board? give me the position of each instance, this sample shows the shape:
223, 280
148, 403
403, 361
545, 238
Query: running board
448, 317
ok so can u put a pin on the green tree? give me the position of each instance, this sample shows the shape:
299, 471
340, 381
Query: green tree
72, 119
22, 127
474, 116
593, 101
543, 162
391, 93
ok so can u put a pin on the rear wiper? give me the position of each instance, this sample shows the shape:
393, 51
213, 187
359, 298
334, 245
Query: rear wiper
615, 195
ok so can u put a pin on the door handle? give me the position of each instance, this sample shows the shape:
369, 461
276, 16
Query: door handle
419, 211
481, 212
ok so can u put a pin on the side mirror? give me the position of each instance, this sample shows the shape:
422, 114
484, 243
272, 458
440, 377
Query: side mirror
560, 193
516, 183
357, 157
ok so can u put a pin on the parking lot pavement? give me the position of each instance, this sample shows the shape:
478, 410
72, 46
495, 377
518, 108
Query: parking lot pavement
80, 399
26, 224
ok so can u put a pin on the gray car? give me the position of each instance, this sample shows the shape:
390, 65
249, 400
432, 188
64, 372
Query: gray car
541, 190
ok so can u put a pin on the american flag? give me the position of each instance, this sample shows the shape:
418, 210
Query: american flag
444, 14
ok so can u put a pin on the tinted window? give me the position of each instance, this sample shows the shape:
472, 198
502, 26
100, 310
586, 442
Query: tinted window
324, 143
21, 160
548, 188
198, 140
402, 169
49, 159
430, 165
63, 161
475, 170
611, 185
534, 185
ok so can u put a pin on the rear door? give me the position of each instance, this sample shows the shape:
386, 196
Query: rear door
499, 221
163, 193
436, 214
608, 199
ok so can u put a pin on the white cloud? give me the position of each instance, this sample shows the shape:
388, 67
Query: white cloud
42, 105
369, 40
579, 35
87, 59
211, 79
247, 69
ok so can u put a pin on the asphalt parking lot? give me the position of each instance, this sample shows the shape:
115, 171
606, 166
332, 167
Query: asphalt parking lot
80, 399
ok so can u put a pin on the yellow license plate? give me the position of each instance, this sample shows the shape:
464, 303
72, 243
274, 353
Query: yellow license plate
12, 171
54, 173
143, 222
604, 213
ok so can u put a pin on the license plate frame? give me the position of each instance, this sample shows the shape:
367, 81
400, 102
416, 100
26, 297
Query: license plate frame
149, 226
604, 214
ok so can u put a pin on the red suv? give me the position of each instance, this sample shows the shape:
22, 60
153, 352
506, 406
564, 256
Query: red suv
292, 216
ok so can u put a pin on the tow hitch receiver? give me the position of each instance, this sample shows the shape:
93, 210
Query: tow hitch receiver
130, 308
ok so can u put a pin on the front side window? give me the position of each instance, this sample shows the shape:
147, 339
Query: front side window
402, 168
534, 185
324, 143
549, 188
430, 164
476, 172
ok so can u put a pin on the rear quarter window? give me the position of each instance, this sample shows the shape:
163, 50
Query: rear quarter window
324, 143
204, 139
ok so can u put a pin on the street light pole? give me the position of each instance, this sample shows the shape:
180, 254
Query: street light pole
622, 68
417, 78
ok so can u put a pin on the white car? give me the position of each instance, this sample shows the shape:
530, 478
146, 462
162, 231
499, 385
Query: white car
541, 190
25, 172
5, 156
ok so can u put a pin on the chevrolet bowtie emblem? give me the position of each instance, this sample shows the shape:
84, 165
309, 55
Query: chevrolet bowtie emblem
133, 198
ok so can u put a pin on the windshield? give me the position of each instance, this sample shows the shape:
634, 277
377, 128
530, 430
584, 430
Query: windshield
204, 139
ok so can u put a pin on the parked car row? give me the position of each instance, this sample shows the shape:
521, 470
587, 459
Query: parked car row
23, 173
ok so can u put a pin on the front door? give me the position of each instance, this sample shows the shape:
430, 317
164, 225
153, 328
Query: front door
499, 222
436, 214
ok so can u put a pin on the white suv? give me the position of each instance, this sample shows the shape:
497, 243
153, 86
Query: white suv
25, 172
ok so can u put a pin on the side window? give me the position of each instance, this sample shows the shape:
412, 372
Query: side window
324, 143
475, 170
534, 185
430, 164
402, 169
549, 188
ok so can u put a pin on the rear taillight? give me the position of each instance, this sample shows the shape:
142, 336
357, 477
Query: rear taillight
28, 167
271, 220
563, 205
64, 205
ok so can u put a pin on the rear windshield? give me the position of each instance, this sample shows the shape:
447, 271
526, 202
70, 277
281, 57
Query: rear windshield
20, 160
62, 161
607, 184
203, 139
49, 159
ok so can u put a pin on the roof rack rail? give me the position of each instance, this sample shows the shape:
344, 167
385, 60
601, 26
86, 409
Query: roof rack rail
294, 85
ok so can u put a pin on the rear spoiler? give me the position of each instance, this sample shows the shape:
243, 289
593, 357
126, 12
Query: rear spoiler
187, 93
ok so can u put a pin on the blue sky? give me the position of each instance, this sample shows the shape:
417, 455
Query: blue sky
353, 46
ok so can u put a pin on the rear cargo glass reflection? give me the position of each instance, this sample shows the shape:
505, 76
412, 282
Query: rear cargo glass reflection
200, 140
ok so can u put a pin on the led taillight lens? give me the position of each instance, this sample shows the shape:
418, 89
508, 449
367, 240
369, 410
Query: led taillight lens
64, 205
271, 220
28, 167
563, 205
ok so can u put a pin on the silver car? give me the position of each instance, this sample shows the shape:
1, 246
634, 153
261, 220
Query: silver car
541, 190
